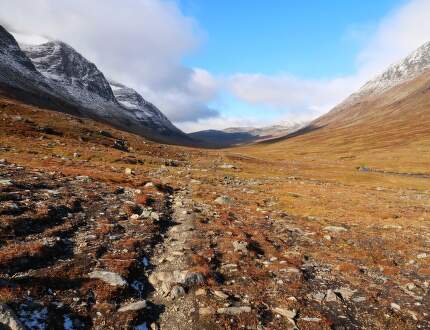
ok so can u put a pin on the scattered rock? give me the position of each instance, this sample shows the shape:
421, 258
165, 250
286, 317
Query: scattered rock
121, 145
204, 311
201, 292
422, 256
177, 292
288, 313
220, 294
335, 229
240, 246
4, 182
128, 171
345, 293
227, 166
234, 310
330, 296
110, 278
223, 200
136, 306
311, 319
395, 307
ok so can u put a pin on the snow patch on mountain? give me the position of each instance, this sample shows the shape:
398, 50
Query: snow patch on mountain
405, 70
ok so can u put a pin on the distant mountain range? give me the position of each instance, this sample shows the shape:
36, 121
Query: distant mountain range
56, 76
244, 135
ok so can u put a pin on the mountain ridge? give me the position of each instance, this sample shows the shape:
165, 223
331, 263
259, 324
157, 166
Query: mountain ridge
56, 76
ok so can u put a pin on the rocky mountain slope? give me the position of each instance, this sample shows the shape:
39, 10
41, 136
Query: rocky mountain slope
400, 74
153, 236
235, 136
55, 75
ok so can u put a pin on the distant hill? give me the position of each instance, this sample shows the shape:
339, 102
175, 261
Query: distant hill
244, 135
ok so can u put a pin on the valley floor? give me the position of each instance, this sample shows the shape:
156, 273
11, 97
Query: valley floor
102, 230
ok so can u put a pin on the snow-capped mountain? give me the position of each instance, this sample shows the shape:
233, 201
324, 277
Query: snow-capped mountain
65, 66
269, 131
244, 135
56, 76
139, 108
405, 70
16, 69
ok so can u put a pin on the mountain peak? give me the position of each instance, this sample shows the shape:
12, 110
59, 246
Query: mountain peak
62, 63
407, 69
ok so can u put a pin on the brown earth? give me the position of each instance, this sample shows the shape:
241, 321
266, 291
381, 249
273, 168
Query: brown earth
303, 238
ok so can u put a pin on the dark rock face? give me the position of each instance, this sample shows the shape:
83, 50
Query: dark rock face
61, 63
142, 110
10, 48
55, 76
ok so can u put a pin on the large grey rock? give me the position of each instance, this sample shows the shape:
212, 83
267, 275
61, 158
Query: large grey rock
234, 310
136, 306
110, 278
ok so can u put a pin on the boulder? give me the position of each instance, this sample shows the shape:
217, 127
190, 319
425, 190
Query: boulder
110, 278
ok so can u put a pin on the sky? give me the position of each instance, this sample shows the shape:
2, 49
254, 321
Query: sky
213, 64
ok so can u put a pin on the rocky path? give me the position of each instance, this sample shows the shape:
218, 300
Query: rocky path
74, 252
172, 277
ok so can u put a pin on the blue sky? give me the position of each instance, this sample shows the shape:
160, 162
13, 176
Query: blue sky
311, 39
213, 64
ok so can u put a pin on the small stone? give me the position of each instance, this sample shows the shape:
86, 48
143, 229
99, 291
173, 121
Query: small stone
149, 185
76, 155
395, 307
4, 182
331, 296
422, 256
136, 306
234, 310
240, 246
193, 278
317, 296
335, 229
177, 292
201, 292
227, 166
135, 216
110, 278
345, 293
220, 294
310, 319
204, 311
128, 171
359, 299
289, 314
223, 200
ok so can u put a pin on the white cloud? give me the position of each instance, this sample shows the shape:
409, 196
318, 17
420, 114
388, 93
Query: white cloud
140, 43
397, 35
290, 95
